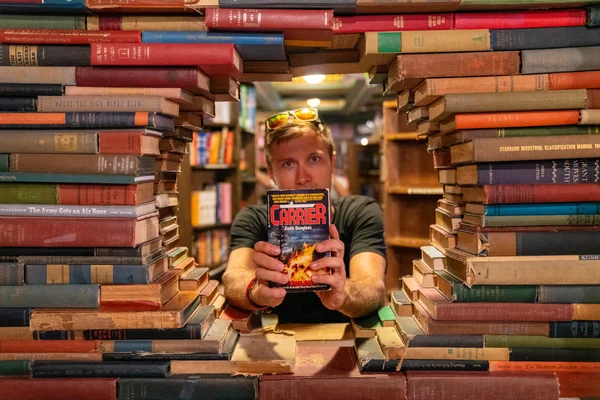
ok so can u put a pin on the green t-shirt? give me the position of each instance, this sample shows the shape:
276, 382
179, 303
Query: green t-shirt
360, 224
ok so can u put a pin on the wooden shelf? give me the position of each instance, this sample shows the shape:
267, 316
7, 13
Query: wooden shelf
218, 125
401, 136
414, 190
410, 242
214, 167
211, 227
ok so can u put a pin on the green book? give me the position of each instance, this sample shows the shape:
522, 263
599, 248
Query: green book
40, 177
29, 193
8, 21
550, 131
4, 162
386, 316
15, 367
455, 290
517, 341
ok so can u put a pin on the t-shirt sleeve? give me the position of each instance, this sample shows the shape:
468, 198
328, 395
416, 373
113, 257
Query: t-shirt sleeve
368, 230
247, 229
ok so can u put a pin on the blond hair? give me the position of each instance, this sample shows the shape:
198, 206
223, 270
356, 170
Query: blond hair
292, 129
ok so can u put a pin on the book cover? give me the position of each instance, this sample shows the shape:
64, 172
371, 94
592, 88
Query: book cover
298, 220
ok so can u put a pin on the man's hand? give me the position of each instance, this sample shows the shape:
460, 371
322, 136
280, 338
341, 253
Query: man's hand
269, 269
332, 299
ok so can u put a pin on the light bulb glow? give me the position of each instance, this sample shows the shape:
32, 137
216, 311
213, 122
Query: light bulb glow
314, 79
364, 141
313, 102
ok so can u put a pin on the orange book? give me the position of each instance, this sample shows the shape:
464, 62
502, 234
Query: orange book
574, 80
543, 366
509, 120
43, 346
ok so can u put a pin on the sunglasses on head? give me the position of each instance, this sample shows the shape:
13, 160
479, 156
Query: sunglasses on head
282, 118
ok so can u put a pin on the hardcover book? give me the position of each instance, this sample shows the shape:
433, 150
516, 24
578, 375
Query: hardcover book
298, 220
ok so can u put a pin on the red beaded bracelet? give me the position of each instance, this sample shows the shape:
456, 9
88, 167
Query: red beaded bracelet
248, 290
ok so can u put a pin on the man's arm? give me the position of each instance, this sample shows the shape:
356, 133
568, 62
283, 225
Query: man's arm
240, 271
365, 288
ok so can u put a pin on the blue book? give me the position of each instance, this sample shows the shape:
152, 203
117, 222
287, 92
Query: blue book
46, 7
50, 296
498, 210
251, 46
38, 274
40, 177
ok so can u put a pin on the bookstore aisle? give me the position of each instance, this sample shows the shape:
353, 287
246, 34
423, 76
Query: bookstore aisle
128, 143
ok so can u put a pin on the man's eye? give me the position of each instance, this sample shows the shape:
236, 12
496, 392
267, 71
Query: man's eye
287, 164
315, 158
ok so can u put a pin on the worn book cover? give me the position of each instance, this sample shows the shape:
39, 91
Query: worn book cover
298, 220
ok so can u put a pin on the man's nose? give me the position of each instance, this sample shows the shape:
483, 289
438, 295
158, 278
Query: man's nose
302, 176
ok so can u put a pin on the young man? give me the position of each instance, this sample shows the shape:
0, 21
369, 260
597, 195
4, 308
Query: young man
300, 155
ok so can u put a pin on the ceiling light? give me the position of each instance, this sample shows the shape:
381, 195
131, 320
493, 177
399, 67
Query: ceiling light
313, 102
364, 141
314, 79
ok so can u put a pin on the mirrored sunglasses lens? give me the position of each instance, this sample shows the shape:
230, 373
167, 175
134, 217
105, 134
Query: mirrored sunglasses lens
277, 120
306, 114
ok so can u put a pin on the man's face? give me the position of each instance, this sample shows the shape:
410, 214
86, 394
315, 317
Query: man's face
301, 163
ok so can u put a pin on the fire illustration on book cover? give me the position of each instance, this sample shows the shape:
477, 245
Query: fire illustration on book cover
298, 220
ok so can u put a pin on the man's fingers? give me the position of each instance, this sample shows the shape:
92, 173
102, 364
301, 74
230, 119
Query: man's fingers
334, 245
268, 262
333, 232
267, 248
332, 280
272, 276
335, 263
271, 297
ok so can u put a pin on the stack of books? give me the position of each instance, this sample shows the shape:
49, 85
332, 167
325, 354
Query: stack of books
510, 115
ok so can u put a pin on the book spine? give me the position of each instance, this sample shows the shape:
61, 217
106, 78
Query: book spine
18, 104
15, 367
542, 209
4, 162
75, 296
239, 388
36, 346
560, 60
444, 365
593, 16
120, 142
549, 131
516, 119
574, 80
554, 355
107, 195
62, 37
80, 274
14, 316
44, 56
82, 260
56, 335
140, 77
212, 37
570, 171
500, 294
543, 38
575, 329
75, 120
466, 341
253, 19
545, 243
39, 141
30, 90
43, 369
389, 23
510, 194
85, 164
38, 75
515, 341
583, 294
427, 41
190, 331
22, 388
64, 178
42, 21
50, 104
519, 19
11, 274
503, 312
69, 232
145, 23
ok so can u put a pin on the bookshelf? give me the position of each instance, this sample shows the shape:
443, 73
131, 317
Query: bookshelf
228, 170
365, 171
410, 193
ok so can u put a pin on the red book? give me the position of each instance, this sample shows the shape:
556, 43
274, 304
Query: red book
142, 142
579, 384
76, 232
42, 346
271, 20
425, 385
191, 79
58, 389
519, 19
574, 80
220, 60
507, 194
70, 36
381, 23
105, 195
